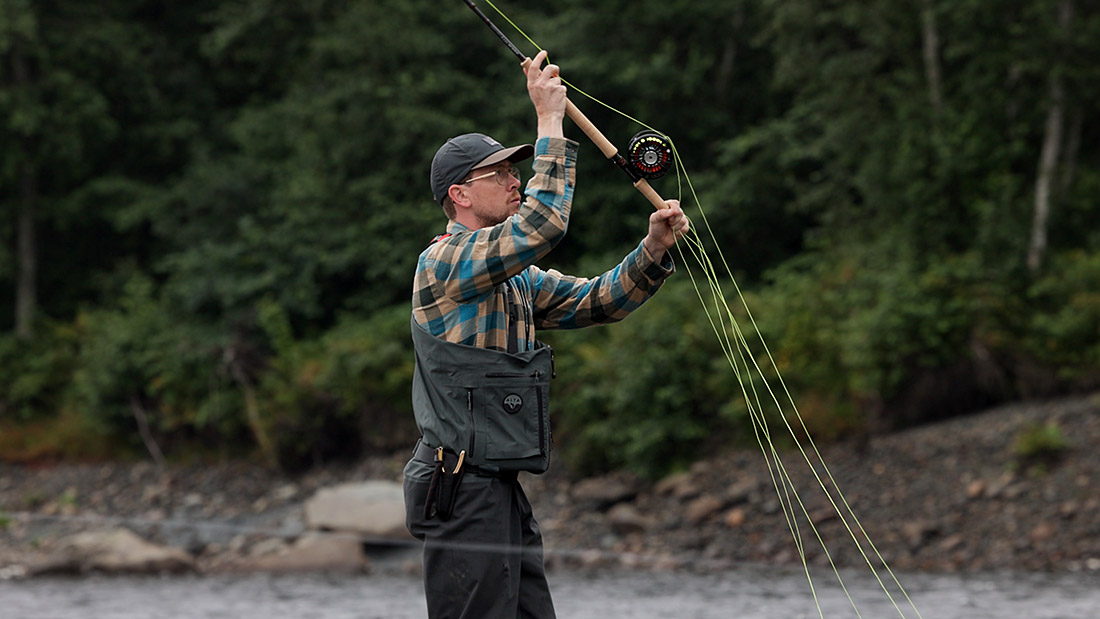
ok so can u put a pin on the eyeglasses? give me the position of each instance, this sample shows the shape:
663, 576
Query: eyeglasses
503, 175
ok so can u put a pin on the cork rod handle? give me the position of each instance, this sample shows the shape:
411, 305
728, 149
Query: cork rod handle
606, 147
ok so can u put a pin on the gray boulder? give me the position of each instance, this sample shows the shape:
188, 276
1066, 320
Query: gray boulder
373, 509
314, 551
114, 551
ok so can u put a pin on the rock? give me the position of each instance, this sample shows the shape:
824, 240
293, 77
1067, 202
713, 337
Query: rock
735, 518
371, 508
1069, 509
286, 492
605, 491
1042, 532
741, 491
917, 532
975, 489
13, 572
679, 485
703, 508
625, 518
771, 507
701, 467
115, 551
274, 545
999, 486
953, 542
314, 551
823, 515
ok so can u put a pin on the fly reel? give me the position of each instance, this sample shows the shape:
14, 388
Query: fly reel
650, 154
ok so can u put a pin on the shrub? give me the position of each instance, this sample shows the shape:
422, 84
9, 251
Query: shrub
1064, 330
646, 394
35, 374
336, 395
1038, 446
142, 357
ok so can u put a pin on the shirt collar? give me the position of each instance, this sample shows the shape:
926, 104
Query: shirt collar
454, 228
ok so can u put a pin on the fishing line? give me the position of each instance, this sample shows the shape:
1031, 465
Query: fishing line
726, 324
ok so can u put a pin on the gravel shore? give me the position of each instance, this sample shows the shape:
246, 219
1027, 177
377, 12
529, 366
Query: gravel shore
954, 496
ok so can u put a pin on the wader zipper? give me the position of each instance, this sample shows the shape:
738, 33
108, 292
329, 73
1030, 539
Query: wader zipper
470, 412
544, 447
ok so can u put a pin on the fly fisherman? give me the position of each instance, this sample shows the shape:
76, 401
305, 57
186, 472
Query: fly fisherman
481, 385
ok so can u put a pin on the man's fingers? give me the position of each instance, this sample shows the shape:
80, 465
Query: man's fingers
673, 217
667, 214
535, 68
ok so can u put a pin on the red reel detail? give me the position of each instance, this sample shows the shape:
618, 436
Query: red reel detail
650, 154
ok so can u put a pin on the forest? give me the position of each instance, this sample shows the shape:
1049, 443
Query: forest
211, 213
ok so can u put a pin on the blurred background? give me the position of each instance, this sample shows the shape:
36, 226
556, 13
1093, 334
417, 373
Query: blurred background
212, 212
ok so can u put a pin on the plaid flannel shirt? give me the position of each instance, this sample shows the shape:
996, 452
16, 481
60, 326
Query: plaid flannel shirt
474, 286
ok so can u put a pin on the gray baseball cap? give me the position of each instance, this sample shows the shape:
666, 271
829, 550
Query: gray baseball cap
454, 160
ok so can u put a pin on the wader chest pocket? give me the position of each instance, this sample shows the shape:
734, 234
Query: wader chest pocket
513, 420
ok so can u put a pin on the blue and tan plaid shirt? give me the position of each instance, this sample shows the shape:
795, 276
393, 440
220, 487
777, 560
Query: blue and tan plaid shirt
474, 286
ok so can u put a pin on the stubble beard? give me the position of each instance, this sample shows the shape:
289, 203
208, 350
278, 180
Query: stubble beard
490, 220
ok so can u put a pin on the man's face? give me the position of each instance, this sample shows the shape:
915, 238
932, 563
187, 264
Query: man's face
494, 192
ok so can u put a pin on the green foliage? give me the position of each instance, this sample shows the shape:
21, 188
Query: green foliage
139, 357
34, 374
1064, 330
1038, 446
645, 394
229, 198
335, 396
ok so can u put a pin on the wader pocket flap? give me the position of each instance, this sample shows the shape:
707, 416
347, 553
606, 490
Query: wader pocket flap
513, 421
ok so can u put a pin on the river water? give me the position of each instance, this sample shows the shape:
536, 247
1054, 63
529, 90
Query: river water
743, 593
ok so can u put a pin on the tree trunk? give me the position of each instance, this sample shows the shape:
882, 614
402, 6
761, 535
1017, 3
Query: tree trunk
1073, 146
1048, 157
26, 297
251, 408
932, 74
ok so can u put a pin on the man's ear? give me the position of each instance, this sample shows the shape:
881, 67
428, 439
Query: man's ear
460, 197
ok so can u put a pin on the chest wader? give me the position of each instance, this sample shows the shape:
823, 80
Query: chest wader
479, 410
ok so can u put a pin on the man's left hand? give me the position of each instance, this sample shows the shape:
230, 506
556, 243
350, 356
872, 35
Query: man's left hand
665, 226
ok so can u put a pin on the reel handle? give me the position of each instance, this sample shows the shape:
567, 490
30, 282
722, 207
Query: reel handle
606, 147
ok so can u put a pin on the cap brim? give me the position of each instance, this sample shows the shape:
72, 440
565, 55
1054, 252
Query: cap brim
514, 154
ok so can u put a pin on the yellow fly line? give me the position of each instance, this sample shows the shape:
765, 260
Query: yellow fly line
739, 354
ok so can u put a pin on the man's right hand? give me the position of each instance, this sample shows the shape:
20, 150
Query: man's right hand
547, 94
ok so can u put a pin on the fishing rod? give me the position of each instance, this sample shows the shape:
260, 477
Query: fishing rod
649, 154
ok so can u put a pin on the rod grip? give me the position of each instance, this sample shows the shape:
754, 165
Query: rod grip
606, 147
650, 193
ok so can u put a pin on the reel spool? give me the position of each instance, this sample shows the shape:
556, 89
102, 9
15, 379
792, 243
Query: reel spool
649, 154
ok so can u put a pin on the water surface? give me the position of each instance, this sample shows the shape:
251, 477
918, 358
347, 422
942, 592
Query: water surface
744, 593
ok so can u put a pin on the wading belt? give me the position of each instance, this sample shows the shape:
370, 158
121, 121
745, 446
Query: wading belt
423, 453
448, 474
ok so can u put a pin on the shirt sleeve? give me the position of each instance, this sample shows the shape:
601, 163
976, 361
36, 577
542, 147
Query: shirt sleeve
471, 263
566, 302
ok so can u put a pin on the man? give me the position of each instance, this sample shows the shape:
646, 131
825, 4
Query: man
481, 386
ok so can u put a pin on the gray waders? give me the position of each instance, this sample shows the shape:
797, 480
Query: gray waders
483, 416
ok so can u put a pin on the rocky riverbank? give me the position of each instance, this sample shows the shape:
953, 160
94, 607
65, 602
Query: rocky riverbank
958, 495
